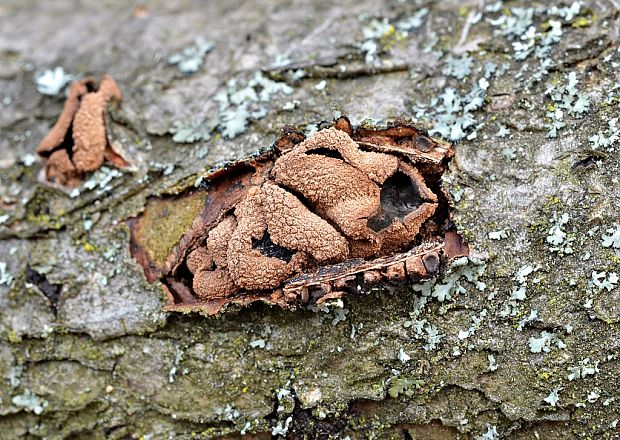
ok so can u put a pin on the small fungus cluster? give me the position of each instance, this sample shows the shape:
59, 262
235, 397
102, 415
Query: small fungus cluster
313, 218
78, 142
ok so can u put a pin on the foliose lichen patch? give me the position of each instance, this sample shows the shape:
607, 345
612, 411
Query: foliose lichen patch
308, 221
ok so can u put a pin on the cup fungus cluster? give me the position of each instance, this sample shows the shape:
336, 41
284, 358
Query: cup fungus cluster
78, 142
310, 220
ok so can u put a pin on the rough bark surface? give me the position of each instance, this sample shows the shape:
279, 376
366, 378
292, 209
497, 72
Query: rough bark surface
529, 348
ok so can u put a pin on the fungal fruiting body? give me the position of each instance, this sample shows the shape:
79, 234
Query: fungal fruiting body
309, 220
78, 142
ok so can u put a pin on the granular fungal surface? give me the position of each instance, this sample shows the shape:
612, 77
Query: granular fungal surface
78, 142
309, 220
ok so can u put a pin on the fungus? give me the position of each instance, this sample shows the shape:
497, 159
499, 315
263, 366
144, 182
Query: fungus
78, 142
312, 219
293, 226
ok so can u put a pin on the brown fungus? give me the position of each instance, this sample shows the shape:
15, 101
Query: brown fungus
78, 142
310, 220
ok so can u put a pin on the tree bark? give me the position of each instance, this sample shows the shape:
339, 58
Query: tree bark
524, 344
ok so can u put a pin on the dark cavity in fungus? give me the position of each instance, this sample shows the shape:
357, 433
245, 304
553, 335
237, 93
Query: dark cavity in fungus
307, 221
269, 249
399, 197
